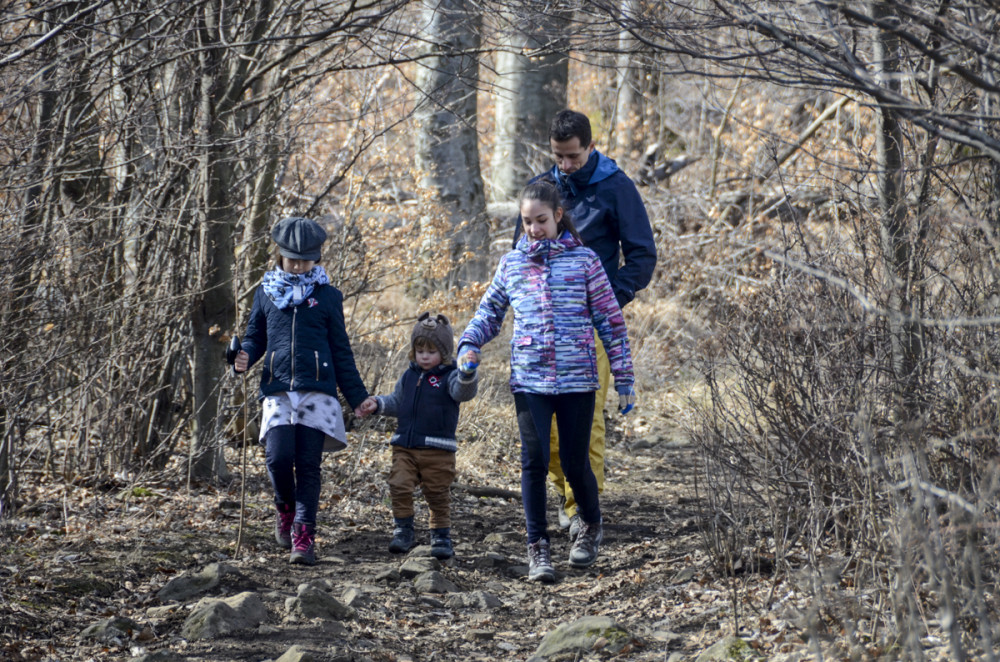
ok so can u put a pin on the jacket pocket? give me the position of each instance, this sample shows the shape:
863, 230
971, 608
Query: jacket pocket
316, 354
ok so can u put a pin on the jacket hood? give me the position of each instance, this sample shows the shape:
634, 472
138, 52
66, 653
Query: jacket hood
547, 247
597, 168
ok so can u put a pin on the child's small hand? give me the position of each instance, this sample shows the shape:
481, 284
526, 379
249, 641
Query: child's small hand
468, 362
241, 361
369, 406
626, 399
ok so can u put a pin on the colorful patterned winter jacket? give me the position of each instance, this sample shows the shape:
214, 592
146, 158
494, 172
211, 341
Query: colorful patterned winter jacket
559, 293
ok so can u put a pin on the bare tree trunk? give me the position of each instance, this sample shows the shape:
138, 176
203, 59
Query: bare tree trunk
447, 150
636, 123
531, 77
214, 307
902, 268
31, 235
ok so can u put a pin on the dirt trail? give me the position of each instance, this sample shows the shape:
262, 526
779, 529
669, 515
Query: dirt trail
55, 584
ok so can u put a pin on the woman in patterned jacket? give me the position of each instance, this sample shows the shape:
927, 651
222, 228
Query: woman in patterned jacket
559, 293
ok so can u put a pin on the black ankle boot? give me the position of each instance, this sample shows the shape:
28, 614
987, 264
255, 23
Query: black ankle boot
441, 543
402, 536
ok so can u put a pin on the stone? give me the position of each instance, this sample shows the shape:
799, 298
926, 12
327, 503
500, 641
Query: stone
312, 602
389, 575
478, 635
296, 654
729, 648
355, 598
213, 617
473, 600
570, 640
159, 656
189, 584
116, 627
492, 560
418, 565
323, 584
161, 612
433, 581
501, 537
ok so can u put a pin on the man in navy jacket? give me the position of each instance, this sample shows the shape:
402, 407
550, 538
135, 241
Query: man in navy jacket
605, 206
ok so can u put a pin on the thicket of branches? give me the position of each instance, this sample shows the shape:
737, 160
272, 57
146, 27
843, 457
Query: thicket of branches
852, 422
146, 149
142, 143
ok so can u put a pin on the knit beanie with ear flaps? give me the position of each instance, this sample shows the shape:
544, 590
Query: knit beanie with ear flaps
437, 329
299, 238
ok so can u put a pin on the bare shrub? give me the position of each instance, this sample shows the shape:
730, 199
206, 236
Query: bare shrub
806, 461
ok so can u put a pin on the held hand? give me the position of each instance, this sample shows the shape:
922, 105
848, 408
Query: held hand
626, 399
241, 361
369, 406
468, 362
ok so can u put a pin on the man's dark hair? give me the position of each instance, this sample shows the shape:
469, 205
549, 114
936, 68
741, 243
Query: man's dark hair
568, 124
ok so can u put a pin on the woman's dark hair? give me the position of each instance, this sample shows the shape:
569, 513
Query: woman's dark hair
569, 124
545, 191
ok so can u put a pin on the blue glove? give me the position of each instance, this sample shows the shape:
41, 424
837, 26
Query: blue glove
626, 399
469, 362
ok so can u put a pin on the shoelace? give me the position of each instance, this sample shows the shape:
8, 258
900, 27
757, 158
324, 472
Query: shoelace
542, 555
303, 542
286, 520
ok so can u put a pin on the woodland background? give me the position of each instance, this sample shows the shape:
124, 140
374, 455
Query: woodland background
823, 179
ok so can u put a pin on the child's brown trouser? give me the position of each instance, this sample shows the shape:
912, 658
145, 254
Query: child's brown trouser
433, 470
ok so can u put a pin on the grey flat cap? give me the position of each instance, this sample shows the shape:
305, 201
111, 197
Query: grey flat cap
298, 238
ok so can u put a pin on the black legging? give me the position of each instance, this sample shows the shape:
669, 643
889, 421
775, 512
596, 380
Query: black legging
574, 413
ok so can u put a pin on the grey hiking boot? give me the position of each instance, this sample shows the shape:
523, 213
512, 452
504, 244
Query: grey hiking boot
586, 545
575, 523
564, 519
441, 544
540, 562
402, 535
303, 544
283, 524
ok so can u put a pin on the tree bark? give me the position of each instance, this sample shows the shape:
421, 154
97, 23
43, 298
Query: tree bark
532, 72
636, 92
902, 268
447, 150
213, 309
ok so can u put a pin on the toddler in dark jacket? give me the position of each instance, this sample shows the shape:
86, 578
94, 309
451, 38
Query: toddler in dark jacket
426, 402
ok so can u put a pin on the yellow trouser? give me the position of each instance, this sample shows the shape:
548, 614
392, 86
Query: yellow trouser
556, 477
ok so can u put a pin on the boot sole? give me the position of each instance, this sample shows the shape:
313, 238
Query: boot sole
301, 559
544, 576
398, 549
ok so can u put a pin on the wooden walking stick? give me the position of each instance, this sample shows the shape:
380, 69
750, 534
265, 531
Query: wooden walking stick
234, 349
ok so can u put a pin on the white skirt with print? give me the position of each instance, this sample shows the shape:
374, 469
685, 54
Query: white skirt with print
313, 409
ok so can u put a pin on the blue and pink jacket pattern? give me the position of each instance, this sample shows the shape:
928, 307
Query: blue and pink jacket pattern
560, 294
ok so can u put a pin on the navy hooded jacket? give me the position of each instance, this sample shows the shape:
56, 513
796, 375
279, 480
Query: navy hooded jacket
607, 210
305, 347
427, 405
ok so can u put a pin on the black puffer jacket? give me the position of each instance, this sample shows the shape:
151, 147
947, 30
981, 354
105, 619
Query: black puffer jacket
305, 347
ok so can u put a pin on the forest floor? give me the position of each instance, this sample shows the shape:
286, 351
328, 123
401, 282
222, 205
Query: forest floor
76, 555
